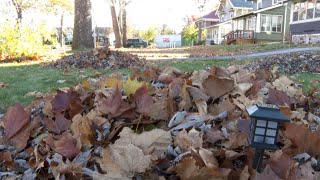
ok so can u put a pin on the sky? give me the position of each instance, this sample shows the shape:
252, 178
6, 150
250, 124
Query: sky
145, 13
141, 14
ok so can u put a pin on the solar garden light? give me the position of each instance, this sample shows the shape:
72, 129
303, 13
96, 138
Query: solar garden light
264, 130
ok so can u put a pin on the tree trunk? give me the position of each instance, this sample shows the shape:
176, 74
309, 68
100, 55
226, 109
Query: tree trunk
61, 32
115, 24
82, 32
124, 24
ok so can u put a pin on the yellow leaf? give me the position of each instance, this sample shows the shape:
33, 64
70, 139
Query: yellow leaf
131, 86
111, 82
86, 84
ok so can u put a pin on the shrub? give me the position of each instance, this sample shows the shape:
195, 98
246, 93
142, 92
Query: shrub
190, 33
25, 41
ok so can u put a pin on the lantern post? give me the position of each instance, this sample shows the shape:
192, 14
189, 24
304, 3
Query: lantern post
264, 130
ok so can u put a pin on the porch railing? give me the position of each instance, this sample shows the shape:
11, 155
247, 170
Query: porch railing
239, 35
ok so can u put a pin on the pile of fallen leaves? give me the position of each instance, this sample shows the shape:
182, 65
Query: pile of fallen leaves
292, 63
99, 58
161, 125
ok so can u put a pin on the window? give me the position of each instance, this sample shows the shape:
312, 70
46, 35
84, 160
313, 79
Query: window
310, 8
276, 1
271, 23
305, 10
317, 9
209, 35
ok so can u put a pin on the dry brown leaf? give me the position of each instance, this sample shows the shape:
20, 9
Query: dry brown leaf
245, 175
242, 102
216, 86
186, 168
58, 125
113, 105
287, 85
143, 100
198, 78
158, 140
80, 127
225, 105
111, 82
3, 85
35, 94
280, 163
123, 161
160, 109
185, 140
302, 139
185, 103
67, 146
267, 174
202, 107
15, 119
304, 172
209, 160
20, 140
279, 98
197, 94
214, 135
236, 140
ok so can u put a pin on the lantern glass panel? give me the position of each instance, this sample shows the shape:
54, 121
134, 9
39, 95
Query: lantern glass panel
260, 131
258, 139
271, 132
272, 124
262, 123
269, 140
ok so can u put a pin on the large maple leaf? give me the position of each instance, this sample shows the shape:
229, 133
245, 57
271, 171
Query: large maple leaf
15, 119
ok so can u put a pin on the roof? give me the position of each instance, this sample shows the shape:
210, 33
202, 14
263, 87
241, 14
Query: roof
241, 3
211, 15
272, 114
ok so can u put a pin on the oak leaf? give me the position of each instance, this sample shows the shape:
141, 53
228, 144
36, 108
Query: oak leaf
15, 119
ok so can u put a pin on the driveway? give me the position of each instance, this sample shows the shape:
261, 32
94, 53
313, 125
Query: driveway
240, 56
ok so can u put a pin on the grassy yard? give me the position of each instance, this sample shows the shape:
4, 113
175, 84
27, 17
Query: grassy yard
24, 78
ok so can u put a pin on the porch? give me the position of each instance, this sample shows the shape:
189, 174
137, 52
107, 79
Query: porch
240, 37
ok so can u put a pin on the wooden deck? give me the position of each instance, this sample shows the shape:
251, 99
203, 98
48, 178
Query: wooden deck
240, 37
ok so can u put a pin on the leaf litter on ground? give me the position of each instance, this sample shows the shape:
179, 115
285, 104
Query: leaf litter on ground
188, 126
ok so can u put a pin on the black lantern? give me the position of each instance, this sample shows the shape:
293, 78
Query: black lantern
264, 130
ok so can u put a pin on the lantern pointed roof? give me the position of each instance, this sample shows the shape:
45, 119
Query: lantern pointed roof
267, 113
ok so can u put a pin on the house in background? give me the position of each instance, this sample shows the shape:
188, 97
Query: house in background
305, 21
207, 20
227, 10
269, 22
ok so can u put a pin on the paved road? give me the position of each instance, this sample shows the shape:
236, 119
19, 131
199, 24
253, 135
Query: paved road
241, 56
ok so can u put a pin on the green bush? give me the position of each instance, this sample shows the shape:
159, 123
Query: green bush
190, 33
25, 42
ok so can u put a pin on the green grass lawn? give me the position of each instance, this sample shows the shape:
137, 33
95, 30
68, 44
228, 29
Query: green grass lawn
24, 78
